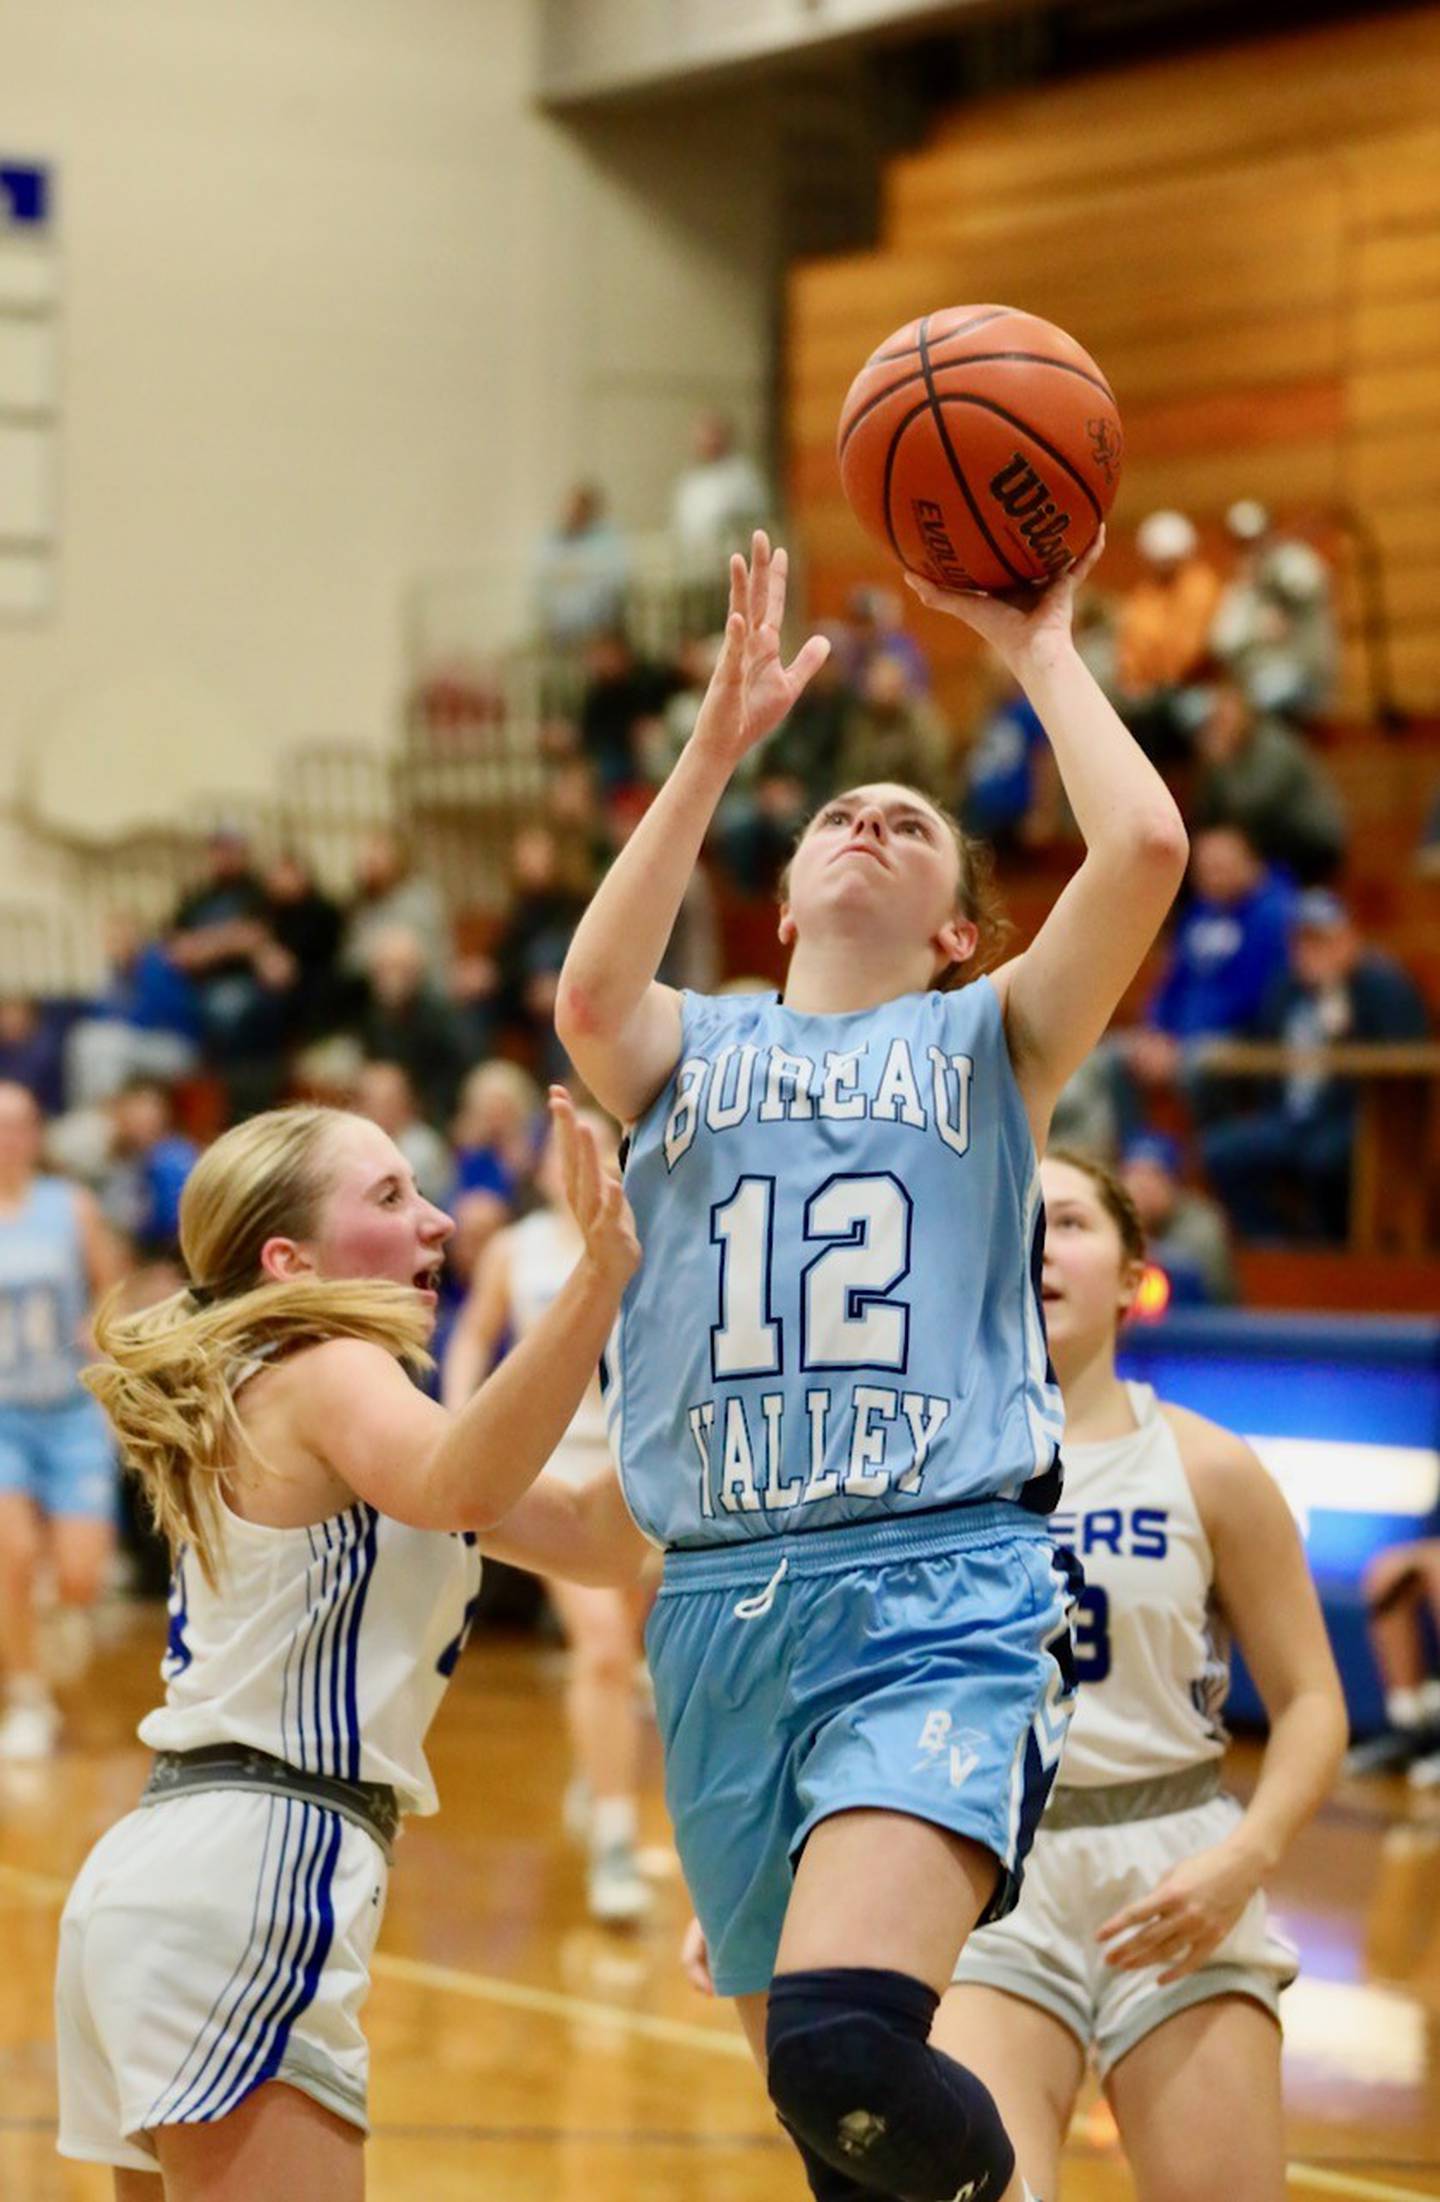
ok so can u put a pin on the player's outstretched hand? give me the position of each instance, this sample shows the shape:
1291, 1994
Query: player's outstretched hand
595, 1195
1020, 623
751, 688
695, 1959
1184, 1918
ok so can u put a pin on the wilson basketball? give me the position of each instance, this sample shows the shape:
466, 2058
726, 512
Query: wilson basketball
982, 446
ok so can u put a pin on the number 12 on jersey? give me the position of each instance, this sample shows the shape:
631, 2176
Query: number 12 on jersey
861, 1229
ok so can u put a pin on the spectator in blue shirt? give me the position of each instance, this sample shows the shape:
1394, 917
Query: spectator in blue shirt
1004, 774
145, 1021
30, 1051
1284, 1168
1230, 949
150, 1163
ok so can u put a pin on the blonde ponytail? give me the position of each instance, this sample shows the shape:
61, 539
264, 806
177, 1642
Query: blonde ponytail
168, 1376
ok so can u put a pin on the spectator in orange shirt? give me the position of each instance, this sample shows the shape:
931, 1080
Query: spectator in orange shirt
1164, 633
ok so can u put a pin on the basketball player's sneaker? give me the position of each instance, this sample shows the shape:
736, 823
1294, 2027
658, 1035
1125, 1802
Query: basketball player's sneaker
616, 1890
1391, 1752
1424, 1769
29, 1730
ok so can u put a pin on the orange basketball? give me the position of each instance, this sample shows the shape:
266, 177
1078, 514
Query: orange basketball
982, 446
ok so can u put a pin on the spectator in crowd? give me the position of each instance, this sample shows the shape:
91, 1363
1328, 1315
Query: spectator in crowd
1258, 773
406, 1019
1011, 795
622, 693
390, 893
758, 825
582, 571
1230, 949
876, 629
1094, 1106
1275, 623
31, 1051
307, 925
892, 734
1163, 633
383, 1092
149, 1163
145, 1021
220, 938
694, 663
1185, 1231
574, 816
808, 744
498, 1134
543, 911
1286, 1165
719, 498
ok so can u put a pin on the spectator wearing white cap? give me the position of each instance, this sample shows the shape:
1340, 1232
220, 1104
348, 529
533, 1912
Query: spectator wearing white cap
1163, 632
1275, 624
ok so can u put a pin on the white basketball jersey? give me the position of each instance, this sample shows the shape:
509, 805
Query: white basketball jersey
329, 1647
1151, 1651
544, 1247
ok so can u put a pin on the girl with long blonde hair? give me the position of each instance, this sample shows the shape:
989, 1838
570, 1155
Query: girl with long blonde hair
325, 1519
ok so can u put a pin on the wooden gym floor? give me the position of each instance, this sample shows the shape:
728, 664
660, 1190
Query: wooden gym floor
521, 2054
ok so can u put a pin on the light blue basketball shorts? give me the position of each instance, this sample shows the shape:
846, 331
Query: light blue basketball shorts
919, 1666
61, 1458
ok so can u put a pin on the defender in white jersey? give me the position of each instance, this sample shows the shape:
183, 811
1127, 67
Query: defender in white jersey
829, 1396
326, 1520
520, 1272
1142, 1940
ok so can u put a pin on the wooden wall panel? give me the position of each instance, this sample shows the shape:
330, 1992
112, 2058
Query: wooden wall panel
1249, 241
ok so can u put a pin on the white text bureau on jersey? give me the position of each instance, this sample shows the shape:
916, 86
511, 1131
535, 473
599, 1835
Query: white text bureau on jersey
836, 1318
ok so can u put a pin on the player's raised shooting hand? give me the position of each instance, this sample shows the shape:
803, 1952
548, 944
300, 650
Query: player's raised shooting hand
595, 1195
1020, 624
752, 689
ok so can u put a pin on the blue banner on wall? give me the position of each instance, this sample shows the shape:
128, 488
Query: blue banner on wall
1346, 1415
26, 195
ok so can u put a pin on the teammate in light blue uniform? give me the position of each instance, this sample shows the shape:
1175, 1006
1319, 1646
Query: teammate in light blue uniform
829, 1394
57, 1465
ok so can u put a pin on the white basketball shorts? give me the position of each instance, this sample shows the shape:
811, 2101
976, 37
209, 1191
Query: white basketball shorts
213, 1942
1046, 1953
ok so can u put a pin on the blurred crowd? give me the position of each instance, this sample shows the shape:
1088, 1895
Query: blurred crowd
262, 984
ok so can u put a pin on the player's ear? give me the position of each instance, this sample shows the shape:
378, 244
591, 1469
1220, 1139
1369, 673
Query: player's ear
957, 939
786, 927
284, 1259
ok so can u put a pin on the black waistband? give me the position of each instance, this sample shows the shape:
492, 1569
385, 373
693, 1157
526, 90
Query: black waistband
372, 1805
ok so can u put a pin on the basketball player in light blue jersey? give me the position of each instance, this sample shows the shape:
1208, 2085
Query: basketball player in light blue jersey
57, 1465
829, 1393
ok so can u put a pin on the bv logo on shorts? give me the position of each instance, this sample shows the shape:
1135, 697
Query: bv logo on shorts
942, 1748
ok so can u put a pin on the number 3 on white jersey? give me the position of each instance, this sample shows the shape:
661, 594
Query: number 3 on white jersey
847, 1319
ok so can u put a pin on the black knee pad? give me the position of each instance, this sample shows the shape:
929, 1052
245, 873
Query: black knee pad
853, 2077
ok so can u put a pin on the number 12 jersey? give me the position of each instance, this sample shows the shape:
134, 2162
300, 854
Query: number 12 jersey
837, 1318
